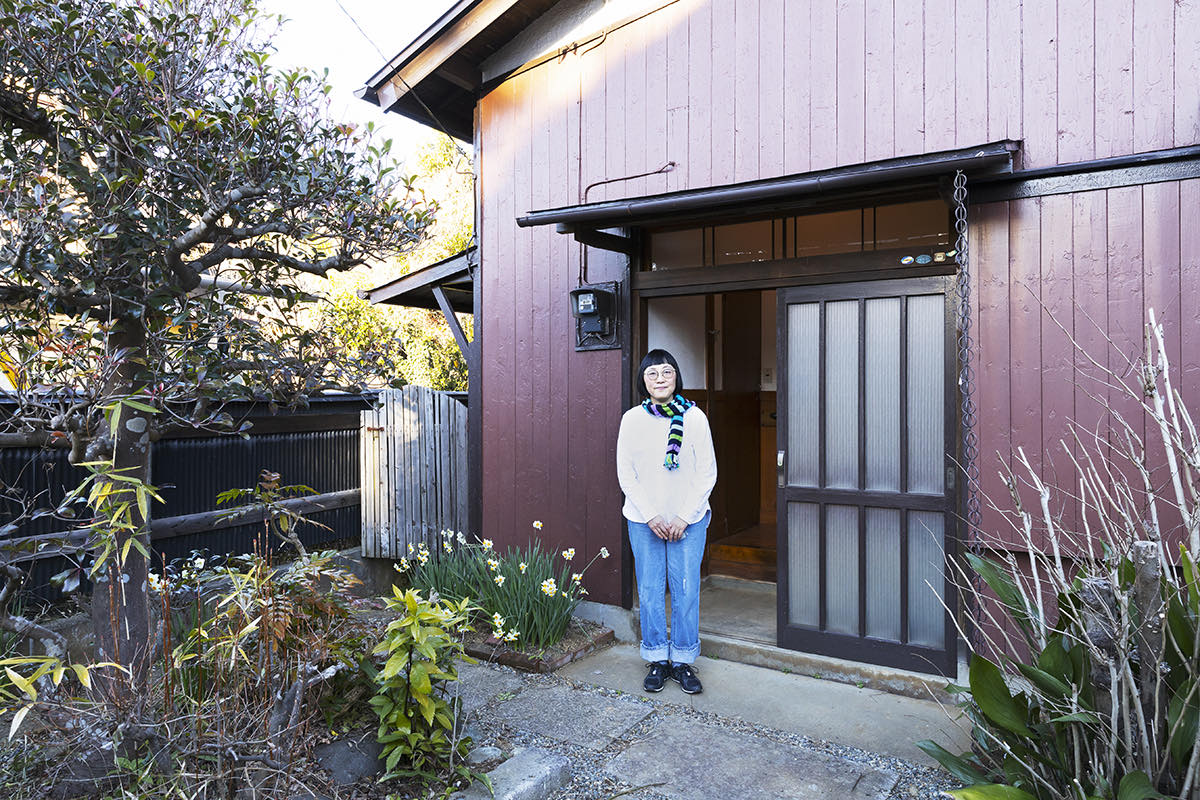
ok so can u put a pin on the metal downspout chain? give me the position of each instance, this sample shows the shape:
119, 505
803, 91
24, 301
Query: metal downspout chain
966, 379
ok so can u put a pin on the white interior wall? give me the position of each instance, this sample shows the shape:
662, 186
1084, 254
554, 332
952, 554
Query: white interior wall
769, 334
676, 324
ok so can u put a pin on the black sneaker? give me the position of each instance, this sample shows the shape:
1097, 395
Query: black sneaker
657, 676
686, 677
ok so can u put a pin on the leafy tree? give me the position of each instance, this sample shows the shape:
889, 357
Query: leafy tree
163, 190
411, 345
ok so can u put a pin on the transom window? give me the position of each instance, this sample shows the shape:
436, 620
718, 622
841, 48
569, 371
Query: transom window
922, 226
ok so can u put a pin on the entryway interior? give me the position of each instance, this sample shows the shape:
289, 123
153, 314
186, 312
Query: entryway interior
725, 343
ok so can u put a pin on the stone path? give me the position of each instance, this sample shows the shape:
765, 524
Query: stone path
693, 761
651, 748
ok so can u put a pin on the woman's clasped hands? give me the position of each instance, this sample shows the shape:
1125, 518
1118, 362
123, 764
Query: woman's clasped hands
668, 531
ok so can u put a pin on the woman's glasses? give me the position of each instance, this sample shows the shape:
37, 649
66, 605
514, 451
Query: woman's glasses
654, 374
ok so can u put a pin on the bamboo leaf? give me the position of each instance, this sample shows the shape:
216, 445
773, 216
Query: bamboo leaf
21, 683
18, 718
81, 672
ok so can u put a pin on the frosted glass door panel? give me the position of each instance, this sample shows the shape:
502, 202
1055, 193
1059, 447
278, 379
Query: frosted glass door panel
883, 394
926, 578
804, 384
883, 573
926, 390
804, 561
841, 395
841, 569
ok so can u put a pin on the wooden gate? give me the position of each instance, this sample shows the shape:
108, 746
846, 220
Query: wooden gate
413, 456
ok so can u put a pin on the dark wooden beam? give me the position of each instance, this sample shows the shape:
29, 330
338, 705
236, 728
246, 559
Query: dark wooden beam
452, 320
601, 240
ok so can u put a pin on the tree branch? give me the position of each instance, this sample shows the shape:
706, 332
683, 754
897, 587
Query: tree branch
56, 439
188, 274
321, 268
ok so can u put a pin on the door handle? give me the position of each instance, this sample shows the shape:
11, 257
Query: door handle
779, 478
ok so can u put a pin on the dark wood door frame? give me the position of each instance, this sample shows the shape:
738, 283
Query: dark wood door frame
863, 648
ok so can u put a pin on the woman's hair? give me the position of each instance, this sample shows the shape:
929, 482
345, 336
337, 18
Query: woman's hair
654, 357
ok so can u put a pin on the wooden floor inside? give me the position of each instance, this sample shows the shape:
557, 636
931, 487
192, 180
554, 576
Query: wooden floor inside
746, 554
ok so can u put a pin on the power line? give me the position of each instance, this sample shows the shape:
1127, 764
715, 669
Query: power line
409, 88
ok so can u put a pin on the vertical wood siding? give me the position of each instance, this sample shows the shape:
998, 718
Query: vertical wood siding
1079, 268
737, 90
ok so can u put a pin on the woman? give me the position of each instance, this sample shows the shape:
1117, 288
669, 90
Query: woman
667, 469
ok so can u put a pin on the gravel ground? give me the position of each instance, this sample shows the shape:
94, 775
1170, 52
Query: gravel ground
590, 782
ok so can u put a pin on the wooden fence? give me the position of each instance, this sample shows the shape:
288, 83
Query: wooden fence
413, 456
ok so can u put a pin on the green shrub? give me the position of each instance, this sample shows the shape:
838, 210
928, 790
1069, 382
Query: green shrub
416, 711
527, 596
1092, 691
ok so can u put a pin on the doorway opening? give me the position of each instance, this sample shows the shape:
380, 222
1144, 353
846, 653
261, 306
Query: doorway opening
726, 344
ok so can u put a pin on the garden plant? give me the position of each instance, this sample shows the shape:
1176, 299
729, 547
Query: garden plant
1085, 680
526, 595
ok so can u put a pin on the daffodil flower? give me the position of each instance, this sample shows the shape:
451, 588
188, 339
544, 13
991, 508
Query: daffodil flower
549, 587
568, 554
499, 579
537, 523
523, 566
487, 544
604, 552
576, 577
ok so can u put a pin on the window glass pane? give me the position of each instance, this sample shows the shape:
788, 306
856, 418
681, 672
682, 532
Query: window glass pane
841, 569
841, 394
804, 402
674, 249
883, 394
926, 394
923, 226
803, 562
883, 573
926, 578
833, 232
743, 242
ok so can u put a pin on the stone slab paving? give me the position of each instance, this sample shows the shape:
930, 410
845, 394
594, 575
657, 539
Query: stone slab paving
531, 774
481, 683
572, 716
836, 712
694, 761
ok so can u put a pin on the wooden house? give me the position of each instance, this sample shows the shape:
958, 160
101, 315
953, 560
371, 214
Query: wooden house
767, 188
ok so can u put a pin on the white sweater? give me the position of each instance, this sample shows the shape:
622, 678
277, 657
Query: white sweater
650, 488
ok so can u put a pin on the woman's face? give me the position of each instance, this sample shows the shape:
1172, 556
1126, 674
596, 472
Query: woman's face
660, 382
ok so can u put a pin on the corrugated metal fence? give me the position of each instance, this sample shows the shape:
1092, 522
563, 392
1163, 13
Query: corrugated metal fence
316, 447
414, 467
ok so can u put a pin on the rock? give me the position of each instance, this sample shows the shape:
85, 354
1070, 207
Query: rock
688, 760
482, 755
351, 759
572, 716
531, 774
85, 776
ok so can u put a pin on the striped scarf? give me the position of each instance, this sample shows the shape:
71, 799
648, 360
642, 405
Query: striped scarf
674, 412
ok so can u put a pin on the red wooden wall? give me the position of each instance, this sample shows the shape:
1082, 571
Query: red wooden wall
736, 91
1081, 267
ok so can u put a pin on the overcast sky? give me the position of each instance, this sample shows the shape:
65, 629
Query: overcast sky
319, 34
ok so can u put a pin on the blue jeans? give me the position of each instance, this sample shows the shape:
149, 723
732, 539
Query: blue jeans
660, 564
